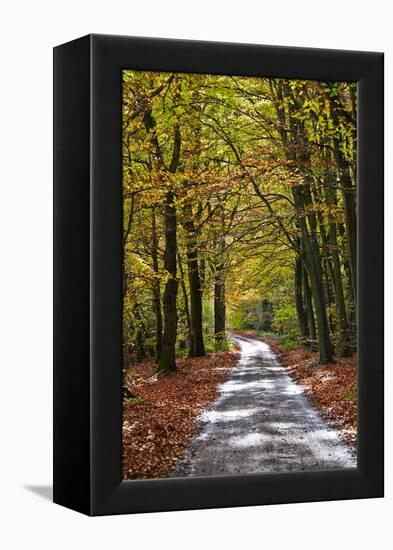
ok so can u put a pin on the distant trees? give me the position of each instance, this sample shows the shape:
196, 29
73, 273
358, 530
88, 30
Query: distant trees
237, 191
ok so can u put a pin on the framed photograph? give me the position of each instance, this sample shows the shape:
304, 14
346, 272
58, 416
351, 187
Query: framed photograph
218, 275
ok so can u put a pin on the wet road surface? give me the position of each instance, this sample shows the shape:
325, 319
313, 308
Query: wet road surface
262, 421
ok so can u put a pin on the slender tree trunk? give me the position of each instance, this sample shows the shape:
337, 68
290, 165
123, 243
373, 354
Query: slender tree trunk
327, 268
219, 295
125, 237
197, 348
309, 311
186, 308
310, 231
347, 186
347, 287
156, 288
300, 309
196, 303
314, 268
328, 278
317, 290
344, 348
343, 344
167, 361
348, 191
219, 310
202, 273
139, 336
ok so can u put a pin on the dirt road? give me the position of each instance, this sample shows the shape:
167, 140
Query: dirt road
262, 422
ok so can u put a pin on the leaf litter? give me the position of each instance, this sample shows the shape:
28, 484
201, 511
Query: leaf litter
159, 423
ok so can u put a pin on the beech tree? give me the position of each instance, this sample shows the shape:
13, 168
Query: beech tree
238, 192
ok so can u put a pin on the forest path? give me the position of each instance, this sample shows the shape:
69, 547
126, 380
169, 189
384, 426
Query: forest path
262, 422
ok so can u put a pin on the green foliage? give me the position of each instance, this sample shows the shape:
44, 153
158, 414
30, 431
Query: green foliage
256, 315
211, 345
222, 345
288, 343
285, 321
352, 394
258, 161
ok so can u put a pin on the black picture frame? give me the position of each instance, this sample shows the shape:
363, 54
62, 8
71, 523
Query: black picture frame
88, 275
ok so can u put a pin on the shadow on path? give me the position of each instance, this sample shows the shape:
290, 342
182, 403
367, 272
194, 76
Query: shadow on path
262, 421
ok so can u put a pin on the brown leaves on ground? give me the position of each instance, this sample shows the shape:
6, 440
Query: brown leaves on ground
331, 387
159, 424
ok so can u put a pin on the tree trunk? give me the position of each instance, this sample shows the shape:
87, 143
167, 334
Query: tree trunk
139, 335
186, 309
327, 268
300, 309
196, 303
219, 310
219, 295
350, 217
202, 273
309, 311
312, 258
350, 304
349, 195
343, 344
317, 290
167, 361
344, 348
156, 288
296, 148
197, 347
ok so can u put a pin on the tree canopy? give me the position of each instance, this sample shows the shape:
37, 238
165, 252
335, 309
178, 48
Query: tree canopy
239, 203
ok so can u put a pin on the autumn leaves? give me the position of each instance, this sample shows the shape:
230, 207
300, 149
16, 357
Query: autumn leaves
236, 190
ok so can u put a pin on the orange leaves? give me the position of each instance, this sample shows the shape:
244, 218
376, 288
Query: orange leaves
158, 426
